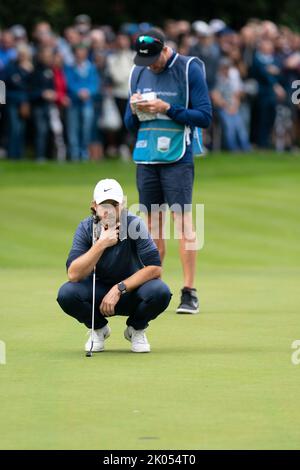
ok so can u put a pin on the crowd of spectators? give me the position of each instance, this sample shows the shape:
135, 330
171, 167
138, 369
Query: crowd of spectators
66, 94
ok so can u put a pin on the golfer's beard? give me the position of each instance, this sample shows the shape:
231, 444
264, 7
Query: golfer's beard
109, 221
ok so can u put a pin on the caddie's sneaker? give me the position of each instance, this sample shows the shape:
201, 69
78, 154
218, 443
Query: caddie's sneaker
189, 302
99, 336
138, 339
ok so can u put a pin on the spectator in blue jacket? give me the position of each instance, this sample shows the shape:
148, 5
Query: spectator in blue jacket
7, 49
17, 76
83, 84
266, 70
226, 97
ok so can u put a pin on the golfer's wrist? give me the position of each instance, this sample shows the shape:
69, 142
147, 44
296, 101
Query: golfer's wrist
117, 290
101, 244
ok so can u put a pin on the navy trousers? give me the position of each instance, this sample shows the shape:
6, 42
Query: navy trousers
141, 305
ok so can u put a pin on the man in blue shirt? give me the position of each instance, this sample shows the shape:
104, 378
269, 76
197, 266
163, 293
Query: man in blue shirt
165, 127
83, 86
128, 271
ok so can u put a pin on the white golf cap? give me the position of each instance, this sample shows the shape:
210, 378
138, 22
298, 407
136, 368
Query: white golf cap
202, 28
217, 25
108, 189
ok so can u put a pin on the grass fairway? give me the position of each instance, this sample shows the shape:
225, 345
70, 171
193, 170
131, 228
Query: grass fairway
221, 379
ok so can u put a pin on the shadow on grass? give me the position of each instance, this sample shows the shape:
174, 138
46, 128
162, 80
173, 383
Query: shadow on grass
63, 354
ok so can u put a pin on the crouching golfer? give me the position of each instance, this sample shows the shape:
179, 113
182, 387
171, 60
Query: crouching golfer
128, 270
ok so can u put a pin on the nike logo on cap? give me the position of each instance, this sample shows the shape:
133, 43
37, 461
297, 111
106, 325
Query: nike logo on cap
107, 189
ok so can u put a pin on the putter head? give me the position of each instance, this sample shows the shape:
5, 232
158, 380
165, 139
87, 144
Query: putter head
88, 354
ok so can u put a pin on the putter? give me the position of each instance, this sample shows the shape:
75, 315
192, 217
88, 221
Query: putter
95, 238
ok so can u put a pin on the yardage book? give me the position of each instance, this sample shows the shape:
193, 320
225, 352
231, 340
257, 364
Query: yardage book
142, 116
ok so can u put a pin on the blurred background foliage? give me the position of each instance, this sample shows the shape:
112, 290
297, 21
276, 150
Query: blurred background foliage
115, 12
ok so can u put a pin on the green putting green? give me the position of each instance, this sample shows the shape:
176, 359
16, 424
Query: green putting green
220, 379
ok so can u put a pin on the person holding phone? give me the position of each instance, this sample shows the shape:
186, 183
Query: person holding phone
166, 139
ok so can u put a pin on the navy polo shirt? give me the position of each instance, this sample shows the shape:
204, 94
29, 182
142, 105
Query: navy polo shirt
134, 250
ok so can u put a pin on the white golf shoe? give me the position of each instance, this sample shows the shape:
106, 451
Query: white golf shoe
99, 336
138, 339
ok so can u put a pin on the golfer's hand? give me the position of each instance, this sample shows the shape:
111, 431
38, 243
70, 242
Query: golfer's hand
107, 307
110, 236
154, 106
